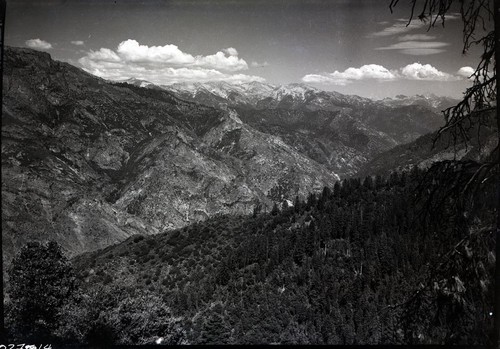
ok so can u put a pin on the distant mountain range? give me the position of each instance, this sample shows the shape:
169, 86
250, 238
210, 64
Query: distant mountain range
339, 131
430, 101
89, 163
295, 95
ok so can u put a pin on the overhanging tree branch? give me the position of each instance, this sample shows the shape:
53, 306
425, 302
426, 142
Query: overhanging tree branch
478, 17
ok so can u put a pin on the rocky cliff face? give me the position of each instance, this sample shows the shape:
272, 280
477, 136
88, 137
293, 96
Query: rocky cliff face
89, 163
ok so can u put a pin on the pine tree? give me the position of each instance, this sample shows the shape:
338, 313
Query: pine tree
41, 281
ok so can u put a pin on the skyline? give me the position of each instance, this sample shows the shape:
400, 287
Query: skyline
354, 48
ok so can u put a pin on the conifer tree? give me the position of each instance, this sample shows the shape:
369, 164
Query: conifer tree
41, 281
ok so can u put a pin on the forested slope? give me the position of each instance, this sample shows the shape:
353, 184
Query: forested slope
338, 269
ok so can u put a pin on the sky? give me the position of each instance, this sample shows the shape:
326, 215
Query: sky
350, 46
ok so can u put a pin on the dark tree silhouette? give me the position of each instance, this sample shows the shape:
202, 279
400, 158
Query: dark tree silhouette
41, 281
461, 181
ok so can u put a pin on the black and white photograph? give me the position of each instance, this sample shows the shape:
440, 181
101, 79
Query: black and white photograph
277, 172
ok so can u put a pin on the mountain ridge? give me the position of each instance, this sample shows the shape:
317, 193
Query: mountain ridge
265, 90
89, 163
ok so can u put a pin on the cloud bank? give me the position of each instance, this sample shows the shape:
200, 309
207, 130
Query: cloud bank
414, 71
38, 44
165, 64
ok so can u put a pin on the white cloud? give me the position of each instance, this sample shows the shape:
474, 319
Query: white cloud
421, 51
38, 44
417, 71
414, 71
132, 51
164, 64
416, 48
78, 42
255, 64
401, 26
466, 72
169, 75
242, 78
369, 71
230, 51
413, 44
323, 79
220, 61
103, 55
413, 37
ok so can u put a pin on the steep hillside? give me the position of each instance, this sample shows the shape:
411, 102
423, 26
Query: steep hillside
89, 163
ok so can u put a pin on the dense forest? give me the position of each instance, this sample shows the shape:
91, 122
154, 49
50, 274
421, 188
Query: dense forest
369, 261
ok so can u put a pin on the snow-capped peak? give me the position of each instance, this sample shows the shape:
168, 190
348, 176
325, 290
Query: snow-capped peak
137, 82
295, 90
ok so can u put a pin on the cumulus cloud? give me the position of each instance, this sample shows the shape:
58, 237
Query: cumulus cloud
132, 51
230, 51
164, 64
221, 61
103, 55
38, 44
414, 71
466, 72
78, 42
417, 71
369, 71
416, 48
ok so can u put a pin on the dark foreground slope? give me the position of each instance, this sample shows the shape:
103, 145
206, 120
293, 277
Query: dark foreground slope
88, 163
335, 269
